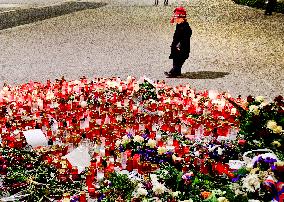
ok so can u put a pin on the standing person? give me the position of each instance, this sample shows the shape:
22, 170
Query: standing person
270, 6
180, 47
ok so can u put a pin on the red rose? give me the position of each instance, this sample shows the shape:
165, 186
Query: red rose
242, 142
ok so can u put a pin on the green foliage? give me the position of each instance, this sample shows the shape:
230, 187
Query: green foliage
120, 186
170, 176
260, 4
38, 178
254, 128
147, 91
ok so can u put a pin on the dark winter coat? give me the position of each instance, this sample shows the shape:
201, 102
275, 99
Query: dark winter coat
181, 40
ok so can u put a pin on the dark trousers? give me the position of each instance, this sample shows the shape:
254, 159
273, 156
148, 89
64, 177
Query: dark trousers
177, 65
166, 2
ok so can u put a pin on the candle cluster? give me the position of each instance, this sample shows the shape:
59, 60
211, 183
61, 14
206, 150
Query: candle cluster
133, 125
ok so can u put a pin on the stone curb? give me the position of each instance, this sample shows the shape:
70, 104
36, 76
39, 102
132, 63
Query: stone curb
20, 16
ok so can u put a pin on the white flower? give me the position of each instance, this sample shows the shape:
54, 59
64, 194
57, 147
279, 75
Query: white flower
237, 189
197, 153
175, 194
251, 182
259, 99
263, 104
220, 151
16, 132
112, 84
175, 158
158, 188
277, 130
222, 199
141, 191
152, 143
49, 95
136, 88
125, 139
168, 100
162, 150
154, 178
271, 124
138, 138
218, 192
233, 110
189, 200
254, 109
117, 143
253, 200
83, 104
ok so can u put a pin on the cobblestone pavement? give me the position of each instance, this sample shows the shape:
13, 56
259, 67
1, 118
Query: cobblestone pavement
234, 48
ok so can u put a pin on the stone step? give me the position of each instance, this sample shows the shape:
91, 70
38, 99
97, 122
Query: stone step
26, 13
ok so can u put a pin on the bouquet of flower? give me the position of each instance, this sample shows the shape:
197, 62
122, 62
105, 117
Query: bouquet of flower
261, 124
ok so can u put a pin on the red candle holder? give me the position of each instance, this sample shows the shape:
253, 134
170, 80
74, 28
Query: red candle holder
129, 165
89, 179
92, 191
74, 173
82, 197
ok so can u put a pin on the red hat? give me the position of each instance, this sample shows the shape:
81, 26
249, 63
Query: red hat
179, 12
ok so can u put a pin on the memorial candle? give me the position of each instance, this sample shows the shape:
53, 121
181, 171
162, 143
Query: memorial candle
92, 191
74, 173
136, 159
89, 179
82, 197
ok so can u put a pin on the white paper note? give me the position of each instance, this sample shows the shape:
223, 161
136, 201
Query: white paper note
79, 157
35, 138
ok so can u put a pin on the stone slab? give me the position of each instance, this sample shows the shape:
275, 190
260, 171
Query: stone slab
18, 14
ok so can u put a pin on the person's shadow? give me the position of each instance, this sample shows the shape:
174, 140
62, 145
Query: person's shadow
203, 75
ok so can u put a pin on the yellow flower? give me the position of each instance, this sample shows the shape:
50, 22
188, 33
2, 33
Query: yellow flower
254, 170
280, 163
222, 199
138, 138
277, 130
162, 150
152, 143
259, 99
271, 125
254, 109
276, 144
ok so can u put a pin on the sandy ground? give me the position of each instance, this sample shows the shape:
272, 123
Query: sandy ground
234, 48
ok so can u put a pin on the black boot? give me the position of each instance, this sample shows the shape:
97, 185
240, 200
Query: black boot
171, 75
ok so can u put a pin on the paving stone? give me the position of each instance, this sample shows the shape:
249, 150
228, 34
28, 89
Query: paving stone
234, 48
